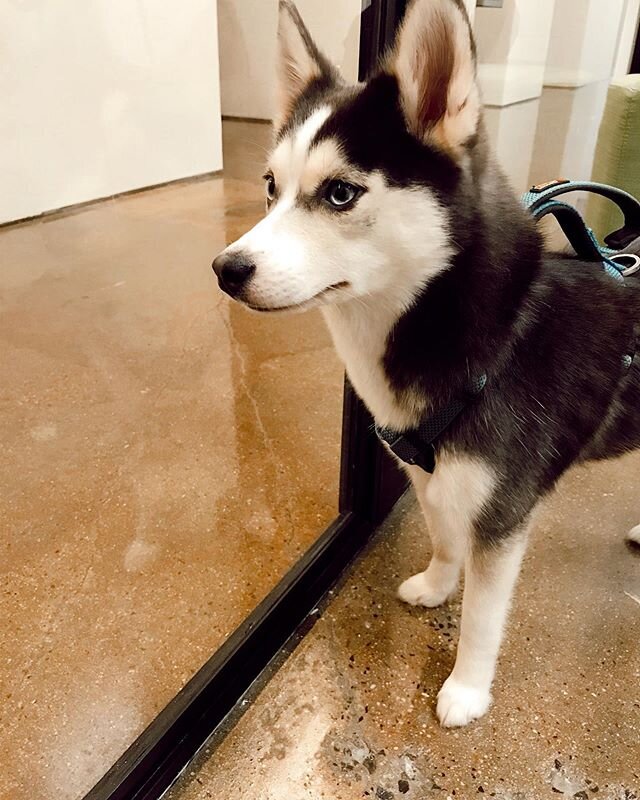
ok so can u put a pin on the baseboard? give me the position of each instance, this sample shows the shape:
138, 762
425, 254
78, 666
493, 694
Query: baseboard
74, 208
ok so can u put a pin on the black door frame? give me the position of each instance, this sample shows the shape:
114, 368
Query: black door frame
370, 484
634, 67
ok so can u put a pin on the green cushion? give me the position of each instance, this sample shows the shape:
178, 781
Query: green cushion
617, 159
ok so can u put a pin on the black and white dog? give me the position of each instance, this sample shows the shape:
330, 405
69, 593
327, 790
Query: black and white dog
386, 210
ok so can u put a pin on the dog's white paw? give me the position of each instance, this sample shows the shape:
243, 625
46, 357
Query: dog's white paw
459, 705
420, 591
634, 535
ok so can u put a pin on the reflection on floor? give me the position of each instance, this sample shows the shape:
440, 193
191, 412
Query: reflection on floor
152, 488
351, 714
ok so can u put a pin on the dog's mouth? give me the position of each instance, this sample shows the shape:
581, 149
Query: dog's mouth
312, 301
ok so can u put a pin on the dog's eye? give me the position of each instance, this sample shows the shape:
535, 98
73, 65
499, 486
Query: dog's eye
271, 186
342, 195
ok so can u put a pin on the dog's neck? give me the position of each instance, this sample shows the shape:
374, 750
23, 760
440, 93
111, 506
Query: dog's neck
407, 353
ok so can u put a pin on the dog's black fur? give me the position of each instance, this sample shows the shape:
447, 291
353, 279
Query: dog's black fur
549, 331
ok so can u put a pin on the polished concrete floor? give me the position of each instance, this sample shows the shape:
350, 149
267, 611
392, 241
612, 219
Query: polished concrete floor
351, 714
166, 457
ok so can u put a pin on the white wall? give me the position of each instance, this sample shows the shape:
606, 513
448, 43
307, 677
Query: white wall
513, 42
573, 115
584, 41
512, 134
628, 31
248, 48
102, 96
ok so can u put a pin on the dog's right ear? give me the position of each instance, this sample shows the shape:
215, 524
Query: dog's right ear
434, 61
299, 60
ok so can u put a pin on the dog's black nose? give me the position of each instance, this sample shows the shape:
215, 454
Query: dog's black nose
233, 271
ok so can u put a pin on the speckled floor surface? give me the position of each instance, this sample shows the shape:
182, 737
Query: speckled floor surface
151, 489
351, 713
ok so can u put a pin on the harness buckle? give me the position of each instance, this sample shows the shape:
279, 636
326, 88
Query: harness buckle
628, 263
544, 187
402, 446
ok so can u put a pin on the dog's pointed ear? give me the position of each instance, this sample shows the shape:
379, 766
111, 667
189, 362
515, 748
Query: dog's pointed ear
434, 61
299, 60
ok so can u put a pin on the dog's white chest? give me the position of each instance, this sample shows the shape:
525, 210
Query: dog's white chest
360, 340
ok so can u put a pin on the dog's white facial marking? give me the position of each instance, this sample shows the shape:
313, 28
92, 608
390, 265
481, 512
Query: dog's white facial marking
323, 161
284, 244
289, 159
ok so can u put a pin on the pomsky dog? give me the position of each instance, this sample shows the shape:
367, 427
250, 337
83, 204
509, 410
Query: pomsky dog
386, 209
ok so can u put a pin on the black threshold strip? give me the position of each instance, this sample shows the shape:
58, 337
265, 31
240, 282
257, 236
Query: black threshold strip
153, 762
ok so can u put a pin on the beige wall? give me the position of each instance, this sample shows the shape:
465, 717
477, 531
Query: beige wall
513, 43
103, 96
584, 41
248, 48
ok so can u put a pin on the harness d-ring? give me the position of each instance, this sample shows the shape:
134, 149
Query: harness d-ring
629, 262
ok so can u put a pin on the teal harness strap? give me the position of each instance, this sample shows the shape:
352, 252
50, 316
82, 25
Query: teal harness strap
580, 236
543, 200
538, 196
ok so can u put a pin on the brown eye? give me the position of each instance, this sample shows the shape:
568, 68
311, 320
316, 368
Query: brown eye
270, 183
342, 195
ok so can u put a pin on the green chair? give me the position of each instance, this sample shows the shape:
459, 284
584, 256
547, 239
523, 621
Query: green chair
617, 158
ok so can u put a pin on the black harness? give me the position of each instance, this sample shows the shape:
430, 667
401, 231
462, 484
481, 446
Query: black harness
417, 447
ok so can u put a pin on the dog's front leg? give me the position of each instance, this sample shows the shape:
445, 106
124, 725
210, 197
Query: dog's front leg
453, 500
491, 572
449, 544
